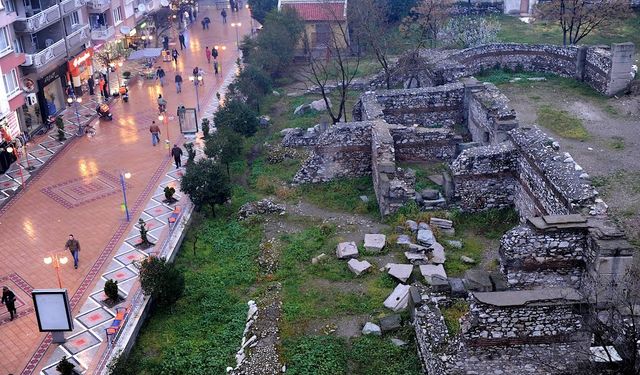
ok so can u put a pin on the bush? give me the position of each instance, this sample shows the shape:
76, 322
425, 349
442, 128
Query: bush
111, 289
237, 116
205, 127
206, 184
65, 367
161, 280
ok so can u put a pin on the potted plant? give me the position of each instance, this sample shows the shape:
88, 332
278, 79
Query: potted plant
191, 152
169, 191
65, 367
111, 290
205, 128
126, 74
60, 126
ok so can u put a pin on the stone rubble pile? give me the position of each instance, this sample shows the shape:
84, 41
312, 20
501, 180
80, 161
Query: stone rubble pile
261, 207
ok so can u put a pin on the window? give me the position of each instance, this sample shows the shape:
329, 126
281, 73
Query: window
17, 46
5, 45
74, 18
117, 15
11, 82
9, 6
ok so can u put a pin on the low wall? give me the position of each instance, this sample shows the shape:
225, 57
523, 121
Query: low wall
488, 114
424, 144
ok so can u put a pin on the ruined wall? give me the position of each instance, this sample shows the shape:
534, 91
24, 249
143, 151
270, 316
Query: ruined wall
424, 144
483, 178
488, 114
343, 150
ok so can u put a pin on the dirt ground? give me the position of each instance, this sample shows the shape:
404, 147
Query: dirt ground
610, 155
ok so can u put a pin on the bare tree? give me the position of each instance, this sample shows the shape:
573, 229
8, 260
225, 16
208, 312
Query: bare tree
578, 18
336, 67
368, 19
426, 20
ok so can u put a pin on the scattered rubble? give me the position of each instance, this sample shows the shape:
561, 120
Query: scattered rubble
346, 250
374, 242
358, 267
398, 299
261, 207
371, 329
401, 272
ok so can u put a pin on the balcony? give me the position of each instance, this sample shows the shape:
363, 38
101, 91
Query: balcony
38, 21
78, 37
52, 53
98, 6
69, 6
103, 33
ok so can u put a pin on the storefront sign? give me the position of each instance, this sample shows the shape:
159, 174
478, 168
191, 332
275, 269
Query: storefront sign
125, 30
49, 78
28, 85
81, 59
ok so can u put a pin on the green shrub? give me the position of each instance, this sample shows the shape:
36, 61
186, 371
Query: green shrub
65, 367
161, 280
316, 355
378, 355
111, 289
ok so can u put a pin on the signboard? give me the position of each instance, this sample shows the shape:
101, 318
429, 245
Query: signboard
52, 310
188, 120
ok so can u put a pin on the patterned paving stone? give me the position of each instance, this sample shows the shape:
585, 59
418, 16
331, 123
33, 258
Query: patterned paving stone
158, 211
131, 257
95, 317
82, 190
81, 342
120, 275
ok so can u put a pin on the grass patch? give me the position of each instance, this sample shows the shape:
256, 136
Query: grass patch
452, 315
472, 247
378, 355
343, 195
562, 123
491, 224
316, 355
423, 171
617, 143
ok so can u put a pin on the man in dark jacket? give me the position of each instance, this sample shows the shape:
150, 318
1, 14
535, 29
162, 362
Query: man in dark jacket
165, 43
181, 39
176, 152
74, 247
178, 83
91, 83
9, 299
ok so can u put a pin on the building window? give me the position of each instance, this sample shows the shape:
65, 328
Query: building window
9, 6
74, 17
117, 15
11, 82
5, 45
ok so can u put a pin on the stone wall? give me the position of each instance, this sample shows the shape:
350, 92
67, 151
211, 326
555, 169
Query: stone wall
343, 150
487, 112
424, 144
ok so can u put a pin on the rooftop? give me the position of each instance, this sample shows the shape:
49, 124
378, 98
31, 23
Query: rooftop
318, 10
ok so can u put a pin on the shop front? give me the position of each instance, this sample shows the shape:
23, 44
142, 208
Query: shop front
44, 97
80, 69
9, 131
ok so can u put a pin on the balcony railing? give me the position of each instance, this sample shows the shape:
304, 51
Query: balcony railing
38, 21
78, 37
47, 55
69, 6
103, 33
98, 5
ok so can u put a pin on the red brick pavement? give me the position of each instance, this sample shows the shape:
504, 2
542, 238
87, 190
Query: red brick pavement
35, 225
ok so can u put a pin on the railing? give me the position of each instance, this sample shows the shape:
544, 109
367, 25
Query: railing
78, 37
69, 6
103, 33
100, 5
49, 54
38, 21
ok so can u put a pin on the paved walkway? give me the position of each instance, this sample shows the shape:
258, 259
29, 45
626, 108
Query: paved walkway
78, 192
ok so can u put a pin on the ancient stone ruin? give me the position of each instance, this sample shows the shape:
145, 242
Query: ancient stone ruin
529, 316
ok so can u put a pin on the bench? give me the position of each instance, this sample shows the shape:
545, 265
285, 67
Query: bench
174, 215
118, 321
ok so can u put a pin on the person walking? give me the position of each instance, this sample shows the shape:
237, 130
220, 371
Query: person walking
224, 15
165, 42
214, 53
207, 53
201, 75
181, 39
215, 67
155, 133
174, 55
74, 247
162, 104
91, 83
207, 21
101, 86
9, 300
160, 75
176, 152
178, 83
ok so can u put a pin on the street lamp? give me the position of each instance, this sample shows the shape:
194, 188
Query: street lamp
123, 176
14, 151
196, 82
237, 25
165, 120
56, 260
75, 100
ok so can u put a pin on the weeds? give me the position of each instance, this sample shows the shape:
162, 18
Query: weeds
562, 123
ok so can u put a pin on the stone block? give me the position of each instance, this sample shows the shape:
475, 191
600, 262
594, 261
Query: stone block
415, 248
440, 284
437, 253
458, 289
401, 272
358, 267
441, 223
374, 242
478, 281
403, 240
412, 225
466, 259
415, 257
430, 194
398, 299
371, 329
390, 323
319, 258
430, 270
425, 237
346, 250
422, 225
499, 281
398, 342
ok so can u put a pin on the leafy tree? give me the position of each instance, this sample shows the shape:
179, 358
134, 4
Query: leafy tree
252, 83
578, 18
225, 146
465, 32
162, 21
236, 115
161, 280
425, 21
398, 9
206, 184
260, 8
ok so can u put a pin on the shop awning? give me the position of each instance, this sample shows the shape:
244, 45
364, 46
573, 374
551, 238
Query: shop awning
145, 53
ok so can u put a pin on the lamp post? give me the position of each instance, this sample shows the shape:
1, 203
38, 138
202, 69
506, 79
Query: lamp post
237, 25
56, 260
14, 151
196, 79
250, 17
123, 176
165, 120
75, 100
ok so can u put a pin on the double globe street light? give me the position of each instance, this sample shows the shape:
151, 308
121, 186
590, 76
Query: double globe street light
76, 100
197, 80
56, 260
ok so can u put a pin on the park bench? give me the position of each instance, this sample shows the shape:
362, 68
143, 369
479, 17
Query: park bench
174, 215
118, 321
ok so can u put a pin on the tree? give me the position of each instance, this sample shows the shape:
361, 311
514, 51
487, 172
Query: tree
237, 116
260, 8
251, 84
225, 146
206, 184
368, 21
161, 280
578, 18
465, 32
162, 19
336, 67
398, 9
425, 21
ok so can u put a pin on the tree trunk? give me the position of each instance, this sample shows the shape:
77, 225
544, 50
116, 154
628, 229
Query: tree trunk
228, 173
213, 209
